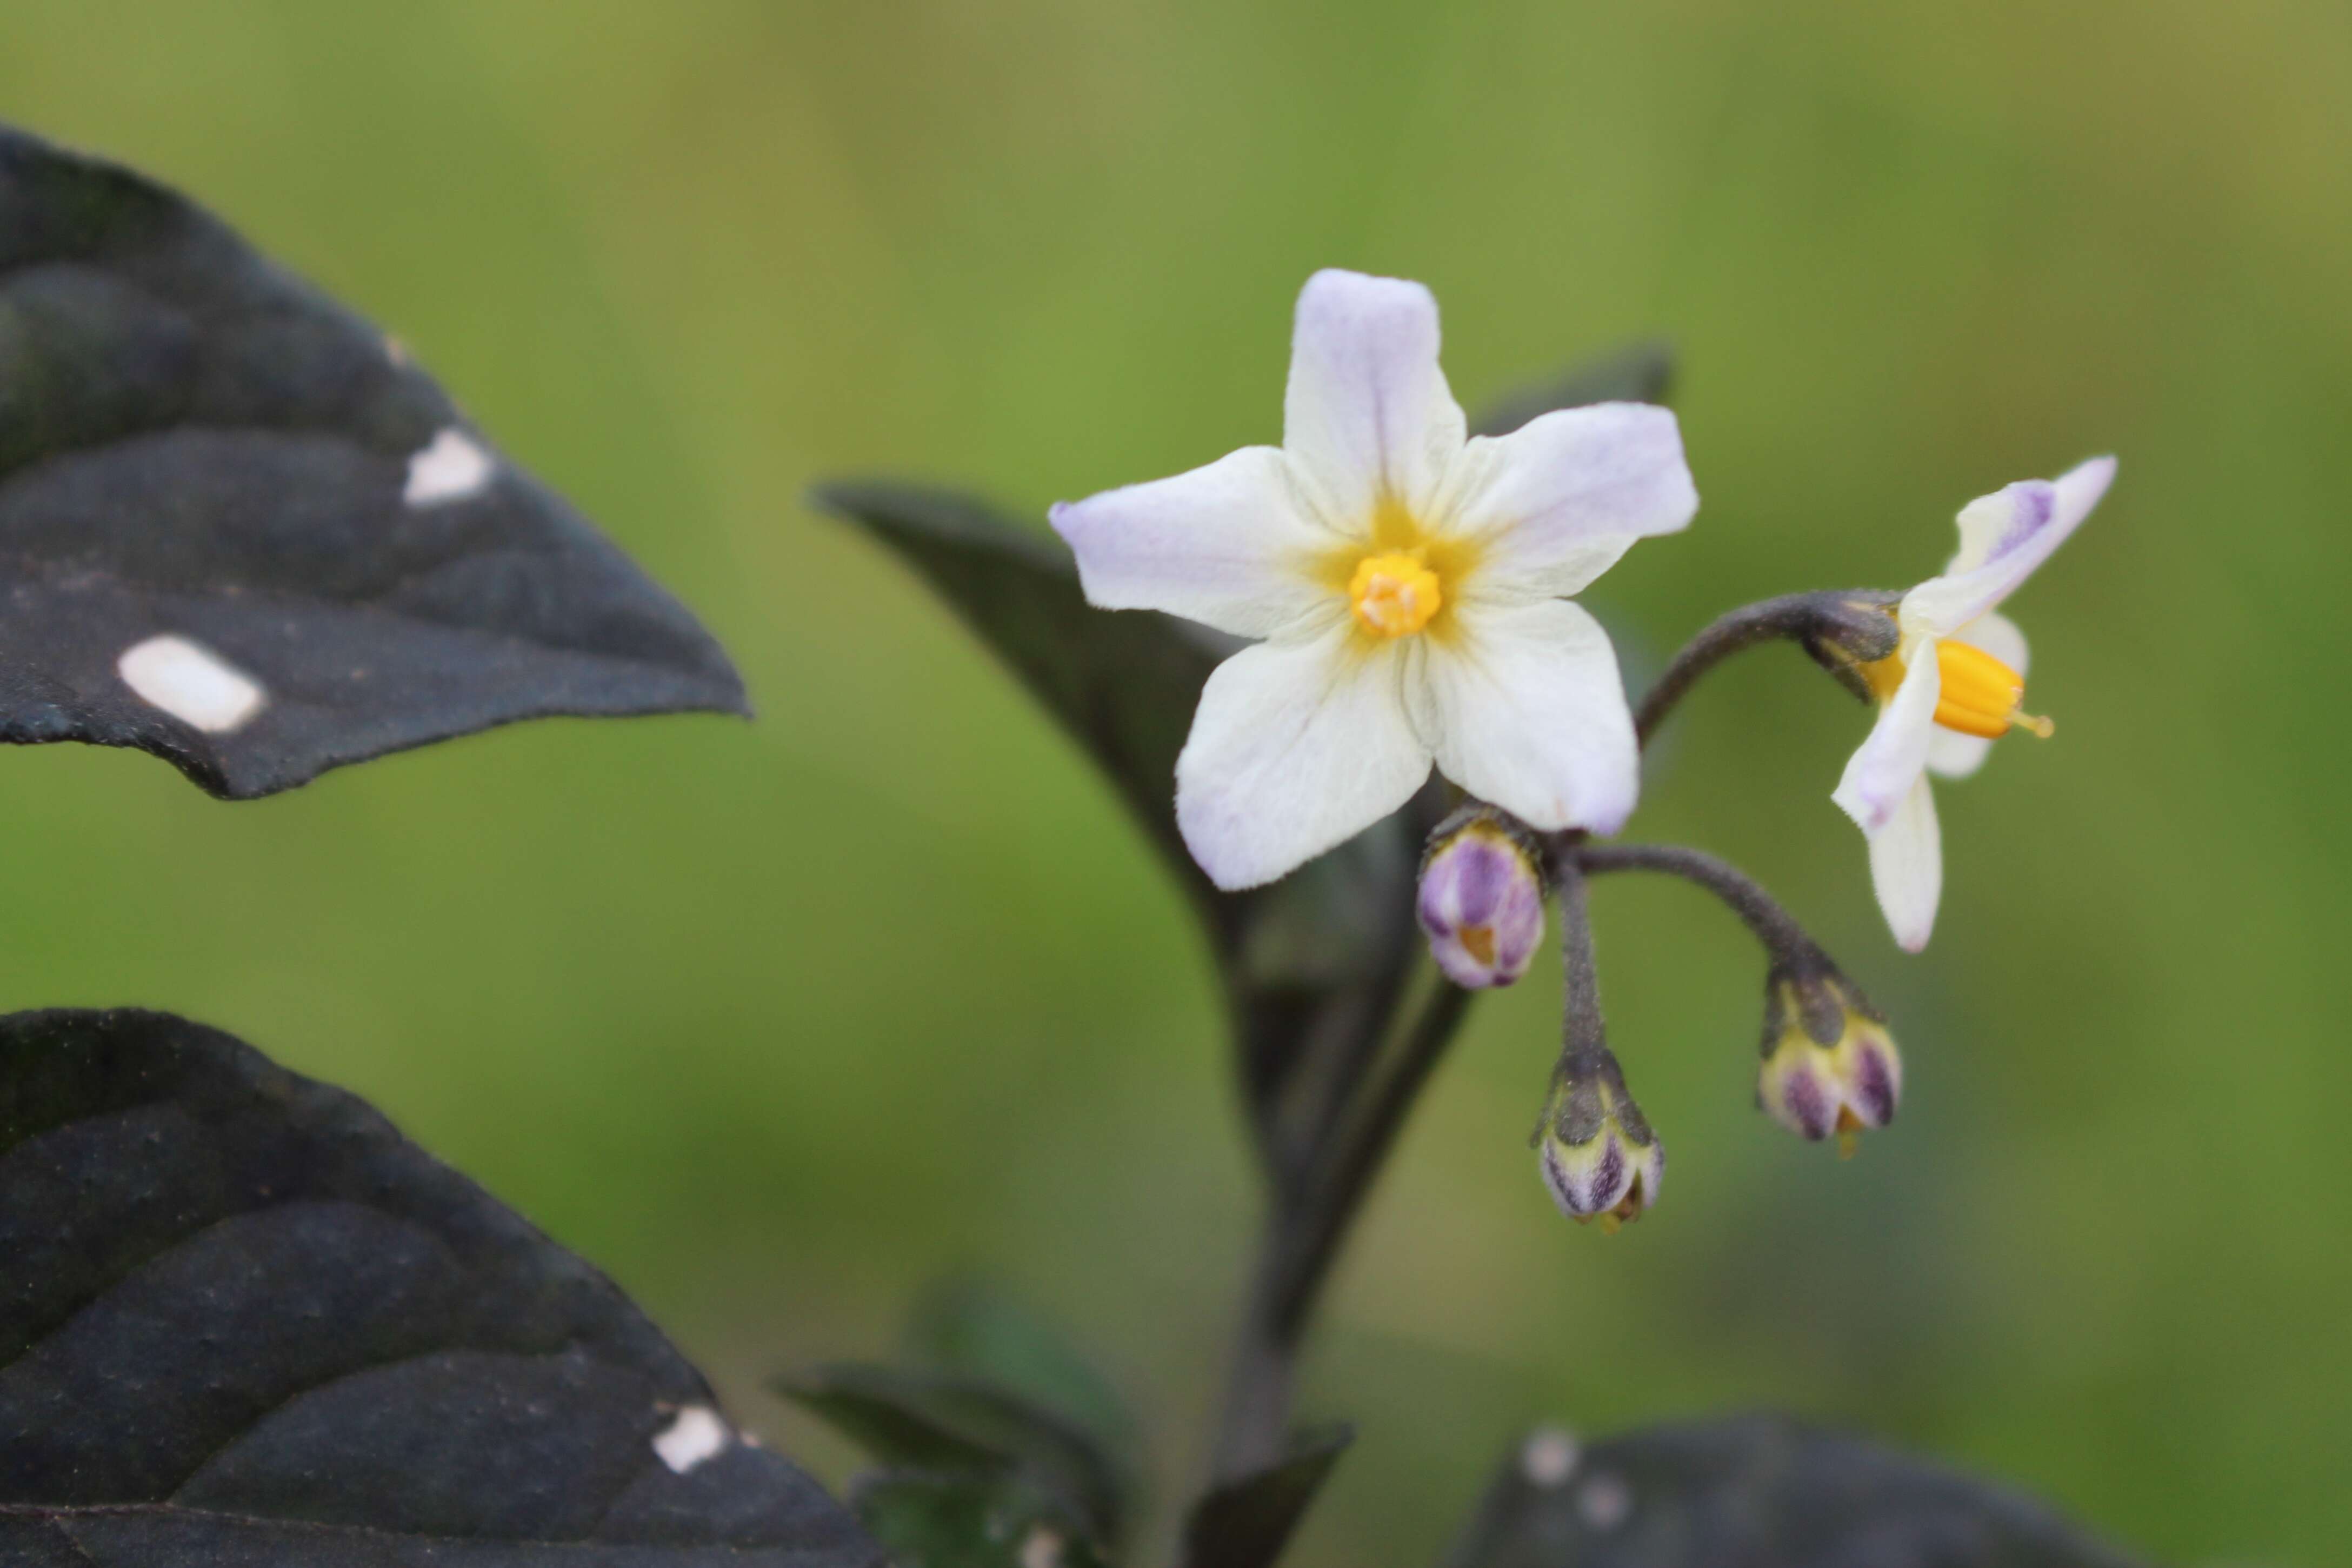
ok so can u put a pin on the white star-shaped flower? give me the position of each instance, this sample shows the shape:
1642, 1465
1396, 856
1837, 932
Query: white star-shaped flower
1954, 685
1408, 583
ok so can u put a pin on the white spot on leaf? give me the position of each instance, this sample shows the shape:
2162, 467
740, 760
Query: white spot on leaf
695, 1436
192, 684
1548, 1457
450, 468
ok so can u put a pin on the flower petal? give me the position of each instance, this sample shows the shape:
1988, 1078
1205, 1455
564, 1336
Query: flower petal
1226, 544
1999, 635
1526, 709
1298, 744
2003, 536
1907, 867
1879, 775
1950, 754
1367, 414
1558, 501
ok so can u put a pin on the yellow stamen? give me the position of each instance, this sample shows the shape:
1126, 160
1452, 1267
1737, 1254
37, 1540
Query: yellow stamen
1399, 578
1478, 941
1849, 1132
1394, 593
1979, 695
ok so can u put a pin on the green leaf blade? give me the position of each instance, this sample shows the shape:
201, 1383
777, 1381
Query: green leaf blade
946, 1426
1247, 1522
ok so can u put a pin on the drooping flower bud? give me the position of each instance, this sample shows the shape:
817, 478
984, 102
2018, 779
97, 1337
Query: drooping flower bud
1830, 1065
1599, 1158
1482, 897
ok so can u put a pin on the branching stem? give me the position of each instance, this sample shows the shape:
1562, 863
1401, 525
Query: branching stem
1313, 1207
1763, 914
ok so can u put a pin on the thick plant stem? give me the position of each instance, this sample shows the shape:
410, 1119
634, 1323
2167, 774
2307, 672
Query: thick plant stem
1260, 1383
1302, 1239
1363, 1149
1839, 629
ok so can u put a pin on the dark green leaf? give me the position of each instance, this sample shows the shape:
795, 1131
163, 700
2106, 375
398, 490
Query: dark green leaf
1639, 373
938, 1423
971, 1327
1757, 1491
1313, 965
243, 1321
240, 530
933, 1520
1246, 1523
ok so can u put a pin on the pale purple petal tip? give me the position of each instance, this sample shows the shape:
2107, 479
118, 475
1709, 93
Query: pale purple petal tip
1367, 410
2004, 538
2081, 487
2031, 504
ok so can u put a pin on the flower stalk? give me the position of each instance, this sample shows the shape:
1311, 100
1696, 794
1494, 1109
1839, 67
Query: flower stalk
1843, 630
1785, 943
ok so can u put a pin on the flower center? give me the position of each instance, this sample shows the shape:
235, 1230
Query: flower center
1394, 593
1979, 694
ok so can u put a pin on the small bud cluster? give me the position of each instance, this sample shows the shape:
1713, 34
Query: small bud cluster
1831, 1068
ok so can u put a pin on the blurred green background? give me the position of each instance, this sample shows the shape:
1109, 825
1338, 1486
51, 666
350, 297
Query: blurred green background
779, 1022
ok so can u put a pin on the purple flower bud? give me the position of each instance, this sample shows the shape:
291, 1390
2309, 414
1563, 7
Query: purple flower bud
1482, 898
1830, 1066
1599, 1156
